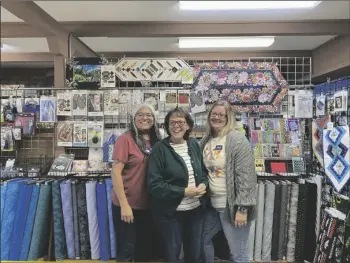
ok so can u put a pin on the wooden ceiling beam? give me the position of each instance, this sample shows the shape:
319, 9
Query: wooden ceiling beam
183, 29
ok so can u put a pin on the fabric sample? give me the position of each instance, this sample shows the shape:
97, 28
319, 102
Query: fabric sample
58, 223
25, 193
283, 221
268, 221
103, 225
259, 225
310, 231
92, 219
318, 126
112, 237
276, 222
67, 209
336, 144
75, 221
40, 237
3, 198
7, 223
301, 223
293, 211
84, 238
286, 230
28, 230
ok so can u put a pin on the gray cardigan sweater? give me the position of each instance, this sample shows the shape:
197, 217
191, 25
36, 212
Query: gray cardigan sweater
241, 178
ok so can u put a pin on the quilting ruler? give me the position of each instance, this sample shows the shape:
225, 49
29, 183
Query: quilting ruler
148, 69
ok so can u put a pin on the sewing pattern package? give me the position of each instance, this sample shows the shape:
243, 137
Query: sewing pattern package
64, 104
95, 103
64, 131
80, 135
95, 134
79, 103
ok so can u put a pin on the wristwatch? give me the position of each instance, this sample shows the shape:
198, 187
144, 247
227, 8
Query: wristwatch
242, 209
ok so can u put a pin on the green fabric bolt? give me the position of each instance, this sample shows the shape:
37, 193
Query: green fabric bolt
59, 232
40, 237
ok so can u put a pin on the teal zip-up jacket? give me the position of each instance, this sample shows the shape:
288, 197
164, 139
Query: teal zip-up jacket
167, 175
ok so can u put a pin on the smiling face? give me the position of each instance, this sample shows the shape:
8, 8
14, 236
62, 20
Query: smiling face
218, 118
144, 119
177, 127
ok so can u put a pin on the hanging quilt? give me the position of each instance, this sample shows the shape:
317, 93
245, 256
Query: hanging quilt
318, 126
257, 87
336, 145
148, 69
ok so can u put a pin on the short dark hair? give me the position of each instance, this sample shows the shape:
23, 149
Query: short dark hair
180, 113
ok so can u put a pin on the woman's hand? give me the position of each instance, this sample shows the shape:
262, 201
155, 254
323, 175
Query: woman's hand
201, 190
126, 214
240, 219
191, 191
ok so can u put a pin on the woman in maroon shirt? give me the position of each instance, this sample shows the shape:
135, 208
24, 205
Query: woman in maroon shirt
131, 215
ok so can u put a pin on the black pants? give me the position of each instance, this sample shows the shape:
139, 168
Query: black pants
181, 227
136, 241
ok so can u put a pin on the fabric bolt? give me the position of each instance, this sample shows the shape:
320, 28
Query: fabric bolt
283, 221
251, 241
84, 238
25, 193
276, 222
92, 219
293, 211
75, 221
58, 222
310, 233
28, 230
112, 236
259, 225
317, 180
301, 224
103, 225
289, 195
7, 223
40, 236
268, 221
67, 209
3, 198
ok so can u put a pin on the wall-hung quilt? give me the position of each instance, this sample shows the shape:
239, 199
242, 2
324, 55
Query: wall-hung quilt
336, 145
318, 126
249, 87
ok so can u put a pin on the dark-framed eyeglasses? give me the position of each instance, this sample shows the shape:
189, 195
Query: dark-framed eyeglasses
220, 115
180, 123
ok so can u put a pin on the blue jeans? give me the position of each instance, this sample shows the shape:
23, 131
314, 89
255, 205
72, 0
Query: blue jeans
181, 227
237, 237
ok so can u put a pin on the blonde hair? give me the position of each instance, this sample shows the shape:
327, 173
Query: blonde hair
230, 118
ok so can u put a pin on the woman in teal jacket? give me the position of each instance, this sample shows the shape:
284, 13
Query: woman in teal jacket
177, 181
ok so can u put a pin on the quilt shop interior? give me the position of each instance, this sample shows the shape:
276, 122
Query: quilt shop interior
57, 141
299, 135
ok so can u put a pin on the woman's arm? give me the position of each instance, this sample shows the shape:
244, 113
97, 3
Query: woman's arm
245, 178
117, 180
157, 186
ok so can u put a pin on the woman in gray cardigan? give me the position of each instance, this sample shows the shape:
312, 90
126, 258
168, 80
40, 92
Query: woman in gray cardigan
232, 183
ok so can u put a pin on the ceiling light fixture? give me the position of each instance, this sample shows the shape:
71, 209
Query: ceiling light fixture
226, 42
246, 5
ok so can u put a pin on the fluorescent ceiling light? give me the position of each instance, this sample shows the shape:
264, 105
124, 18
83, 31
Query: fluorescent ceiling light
5, 48
226, 42
246, 5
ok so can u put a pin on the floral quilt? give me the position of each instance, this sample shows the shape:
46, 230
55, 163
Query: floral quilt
248, 86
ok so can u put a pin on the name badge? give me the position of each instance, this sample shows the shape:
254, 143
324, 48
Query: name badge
218, 147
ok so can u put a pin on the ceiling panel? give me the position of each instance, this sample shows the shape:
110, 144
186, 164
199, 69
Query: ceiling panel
17, 45
6, 16
169, 11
